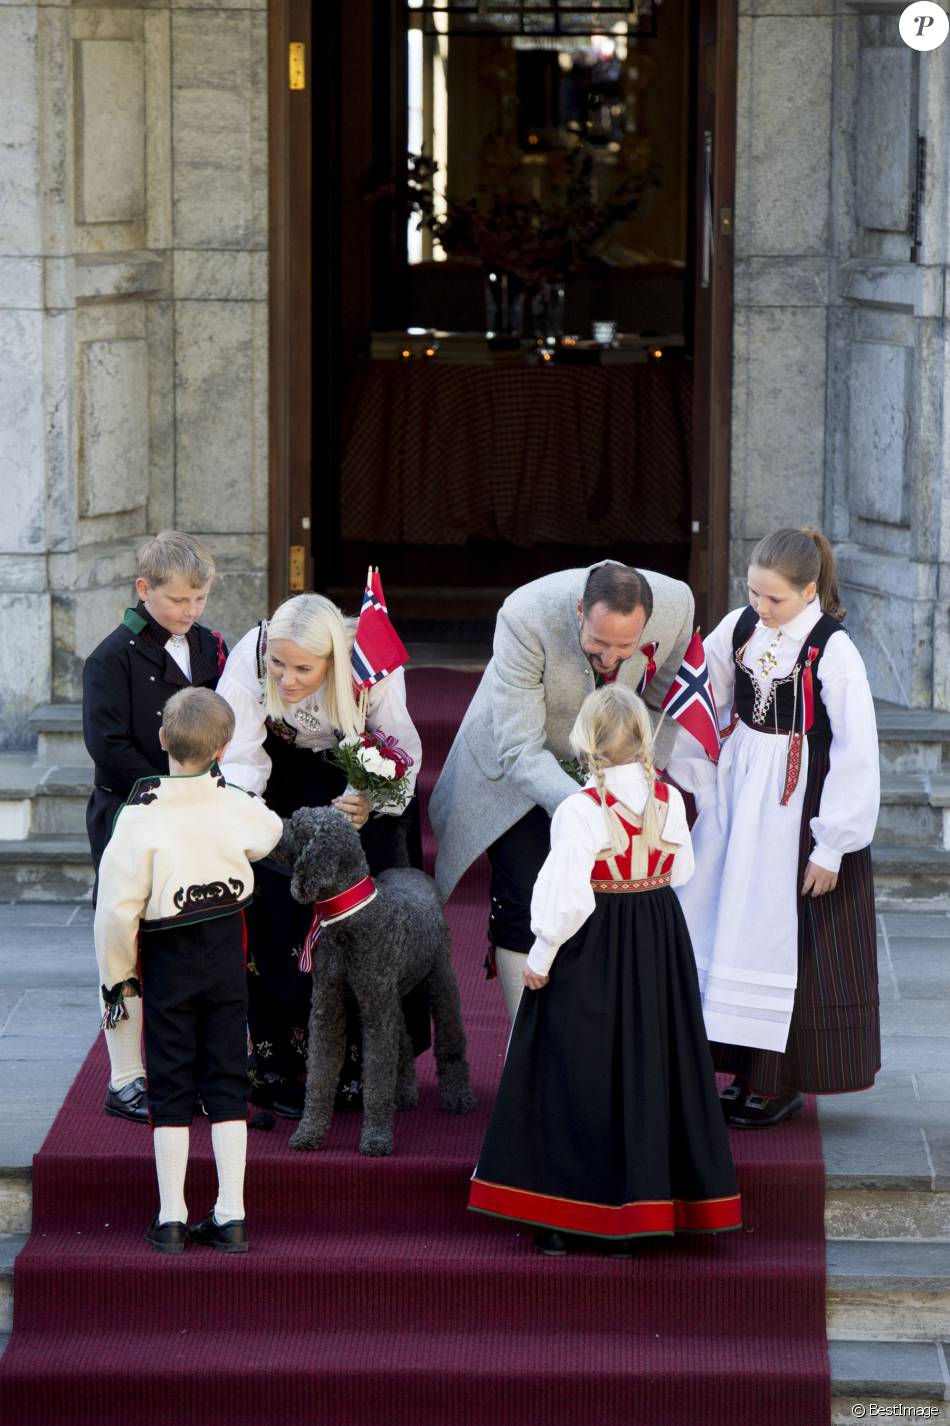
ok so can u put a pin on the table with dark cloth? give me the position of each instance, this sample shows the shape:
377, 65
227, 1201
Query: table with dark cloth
440, 453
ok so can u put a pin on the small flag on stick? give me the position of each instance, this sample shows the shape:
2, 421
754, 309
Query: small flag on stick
377, 648
690, 701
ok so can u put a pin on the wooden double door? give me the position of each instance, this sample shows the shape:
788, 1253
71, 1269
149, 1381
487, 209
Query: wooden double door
336, 100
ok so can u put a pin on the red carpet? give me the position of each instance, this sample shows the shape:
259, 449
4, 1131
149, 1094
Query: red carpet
371, 1297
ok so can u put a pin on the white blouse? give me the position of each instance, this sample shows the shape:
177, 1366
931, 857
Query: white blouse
563, 899
850, 798
246, 763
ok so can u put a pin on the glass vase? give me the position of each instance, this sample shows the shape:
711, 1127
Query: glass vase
504, 304
547, 312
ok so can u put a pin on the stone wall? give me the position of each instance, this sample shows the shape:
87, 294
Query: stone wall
841, 371
133, 318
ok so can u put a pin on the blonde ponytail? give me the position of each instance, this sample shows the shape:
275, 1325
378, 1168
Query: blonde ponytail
612, 728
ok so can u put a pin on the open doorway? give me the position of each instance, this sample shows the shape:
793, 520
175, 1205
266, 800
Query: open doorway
593, 422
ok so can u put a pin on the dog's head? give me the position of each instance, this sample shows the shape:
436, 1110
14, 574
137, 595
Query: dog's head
325, 851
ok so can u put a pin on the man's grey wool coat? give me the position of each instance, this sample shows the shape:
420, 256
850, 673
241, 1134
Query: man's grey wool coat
504, 759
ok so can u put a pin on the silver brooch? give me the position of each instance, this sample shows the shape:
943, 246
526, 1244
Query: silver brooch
306, 720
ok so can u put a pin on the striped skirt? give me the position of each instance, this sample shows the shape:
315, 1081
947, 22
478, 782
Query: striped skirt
834, 1040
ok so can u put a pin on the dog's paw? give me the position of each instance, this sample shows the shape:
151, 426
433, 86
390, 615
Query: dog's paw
306, 1139
460, 1101
376, 1143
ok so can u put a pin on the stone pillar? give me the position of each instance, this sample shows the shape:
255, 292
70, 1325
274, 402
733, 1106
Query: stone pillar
133, 318
887, 465
841, 372
782, 225
25, 615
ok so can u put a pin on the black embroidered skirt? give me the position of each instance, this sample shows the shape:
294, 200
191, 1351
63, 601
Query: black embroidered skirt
607, 1120
834, 1039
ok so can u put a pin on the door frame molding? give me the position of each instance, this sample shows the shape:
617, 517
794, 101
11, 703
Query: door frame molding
291, 301
714, 111
290, 294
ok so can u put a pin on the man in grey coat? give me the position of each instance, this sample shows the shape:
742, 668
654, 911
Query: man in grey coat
556, 639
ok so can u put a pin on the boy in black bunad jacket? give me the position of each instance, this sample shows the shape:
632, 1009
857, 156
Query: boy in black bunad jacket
169, 928
157, 649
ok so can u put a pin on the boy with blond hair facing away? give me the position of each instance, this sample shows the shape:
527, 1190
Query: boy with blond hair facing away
156, 650
173, 883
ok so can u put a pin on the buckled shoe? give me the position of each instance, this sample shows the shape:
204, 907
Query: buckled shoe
129, 1102
758, 1113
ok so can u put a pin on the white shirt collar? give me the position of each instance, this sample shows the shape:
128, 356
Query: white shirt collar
802, 624
628, 784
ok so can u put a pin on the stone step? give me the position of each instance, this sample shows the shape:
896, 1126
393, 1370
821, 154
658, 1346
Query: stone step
875, 1214
908, 813
58, 730
912, 739
36, 800
904, 873
49, 868
886, 1374
16, 1200
888, 1291
10, 1245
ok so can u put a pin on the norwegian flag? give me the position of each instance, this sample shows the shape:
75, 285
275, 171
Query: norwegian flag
377, 648
690, 701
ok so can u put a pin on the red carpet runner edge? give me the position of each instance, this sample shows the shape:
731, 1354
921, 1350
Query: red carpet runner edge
371, 1297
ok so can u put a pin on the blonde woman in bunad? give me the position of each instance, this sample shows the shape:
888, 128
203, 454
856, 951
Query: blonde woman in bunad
781, 909
606, 1123
291, 688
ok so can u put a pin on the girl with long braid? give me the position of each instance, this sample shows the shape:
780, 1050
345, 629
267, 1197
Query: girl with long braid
607, 1123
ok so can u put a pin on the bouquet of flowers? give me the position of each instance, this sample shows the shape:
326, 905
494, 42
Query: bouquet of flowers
375, 765
575, 769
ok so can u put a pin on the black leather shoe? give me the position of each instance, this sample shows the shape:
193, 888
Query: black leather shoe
226, 1237
758, 1113
621, 1248
731, 1098
166, 1237
130, 1102
287, 1111
549, 1242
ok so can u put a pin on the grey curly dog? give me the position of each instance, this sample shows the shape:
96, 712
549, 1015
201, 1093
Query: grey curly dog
381, 951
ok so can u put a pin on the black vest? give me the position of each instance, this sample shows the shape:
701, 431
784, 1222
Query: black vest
786, 710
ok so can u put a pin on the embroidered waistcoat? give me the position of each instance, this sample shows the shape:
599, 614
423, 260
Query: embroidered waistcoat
659, 863
785, 709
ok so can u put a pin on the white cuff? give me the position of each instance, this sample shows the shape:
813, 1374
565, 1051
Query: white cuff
826, 857
541, 956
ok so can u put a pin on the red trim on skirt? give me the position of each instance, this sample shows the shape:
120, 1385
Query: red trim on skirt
602, 1220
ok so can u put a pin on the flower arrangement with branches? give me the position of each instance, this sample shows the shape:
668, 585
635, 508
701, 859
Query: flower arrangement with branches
373, 765
536, 240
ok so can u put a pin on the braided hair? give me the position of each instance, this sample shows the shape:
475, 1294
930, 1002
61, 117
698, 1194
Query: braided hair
613, 727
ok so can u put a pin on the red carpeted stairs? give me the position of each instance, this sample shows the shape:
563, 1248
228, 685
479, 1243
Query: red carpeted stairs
371, 1298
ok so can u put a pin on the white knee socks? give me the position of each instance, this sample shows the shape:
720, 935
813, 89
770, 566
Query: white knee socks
511, 966
229, 1141
125, 1047
171, 1163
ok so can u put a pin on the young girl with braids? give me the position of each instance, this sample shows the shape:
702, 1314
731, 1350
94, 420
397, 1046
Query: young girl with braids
606, 1123
781, 909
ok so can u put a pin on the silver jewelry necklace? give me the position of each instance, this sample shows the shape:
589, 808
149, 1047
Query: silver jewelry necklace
767, 661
